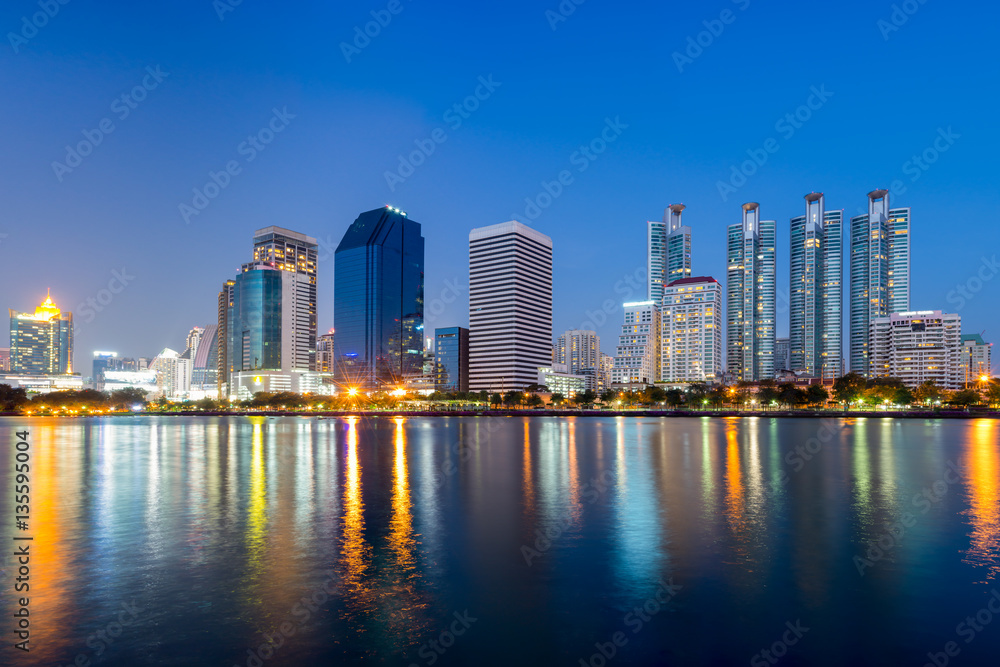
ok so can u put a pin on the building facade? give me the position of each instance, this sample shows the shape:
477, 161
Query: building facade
578, 349
324, 352
510, 306
637, 356
918, 346
977, 358
668, 256
782, 355
880, 271
224, 361
816, 293
379, 301
451, 359
41, 343
104, 361
4, 359
750, 297
691, 331
557, 379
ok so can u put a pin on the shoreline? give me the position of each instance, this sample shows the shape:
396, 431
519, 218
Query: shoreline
326, 414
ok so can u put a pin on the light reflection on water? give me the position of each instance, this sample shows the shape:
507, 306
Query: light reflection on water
223, 527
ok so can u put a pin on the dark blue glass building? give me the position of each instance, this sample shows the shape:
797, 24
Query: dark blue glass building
254, 326
379, 301
451, 359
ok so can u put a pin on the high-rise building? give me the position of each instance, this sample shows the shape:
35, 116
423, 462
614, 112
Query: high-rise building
270, 315
379, 301
510, 306
816, 299
295, 254
668, 255
750, 297
918, 346
173, 373
104, 361
880, 270
977, 358
691, 331
224, 361
41, 343
637, 356
782, 354
578, 349
324, 352
4, 359
205, 360
451, 359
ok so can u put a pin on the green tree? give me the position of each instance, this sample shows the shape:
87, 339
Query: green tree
556, 398
848, 388
965, 398
674, 398
585, 398
816, 394
513, 398
608, 396
534, 401
929, 392
12, 399
496, 400
768, 393
902, 396
127, 397
993, 392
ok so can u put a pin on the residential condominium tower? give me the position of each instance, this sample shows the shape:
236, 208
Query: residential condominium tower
637, 357
668, 251
918, 346
510, 306
578, 349
691, 331
379, 301
816, 294
880, 271
750, 297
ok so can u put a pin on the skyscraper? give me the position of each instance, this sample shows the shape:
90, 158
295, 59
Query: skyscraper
324, 352
223, 361
578, 349
510, 306
379, 301
691, 331
880, 270
294, 253
918, 346
816, 299
451, 359
41, 343
668, 251
270, 315
637, 356
750, 296
104, 361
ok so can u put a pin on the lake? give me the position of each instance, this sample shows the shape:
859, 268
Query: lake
505, 541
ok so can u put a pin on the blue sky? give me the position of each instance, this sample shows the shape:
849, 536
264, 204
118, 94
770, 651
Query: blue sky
346, 119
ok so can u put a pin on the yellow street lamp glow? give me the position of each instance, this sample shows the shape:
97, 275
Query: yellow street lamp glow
985, 378
352, 391
399, 392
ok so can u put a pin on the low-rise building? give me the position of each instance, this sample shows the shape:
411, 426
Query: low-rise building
917, 346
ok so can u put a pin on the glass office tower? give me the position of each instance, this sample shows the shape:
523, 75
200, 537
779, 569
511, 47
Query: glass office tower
451, 359
668, 251
255, 320
379, 301
41, 343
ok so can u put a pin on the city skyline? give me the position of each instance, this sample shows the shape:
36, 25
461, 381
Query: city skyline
353, 120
